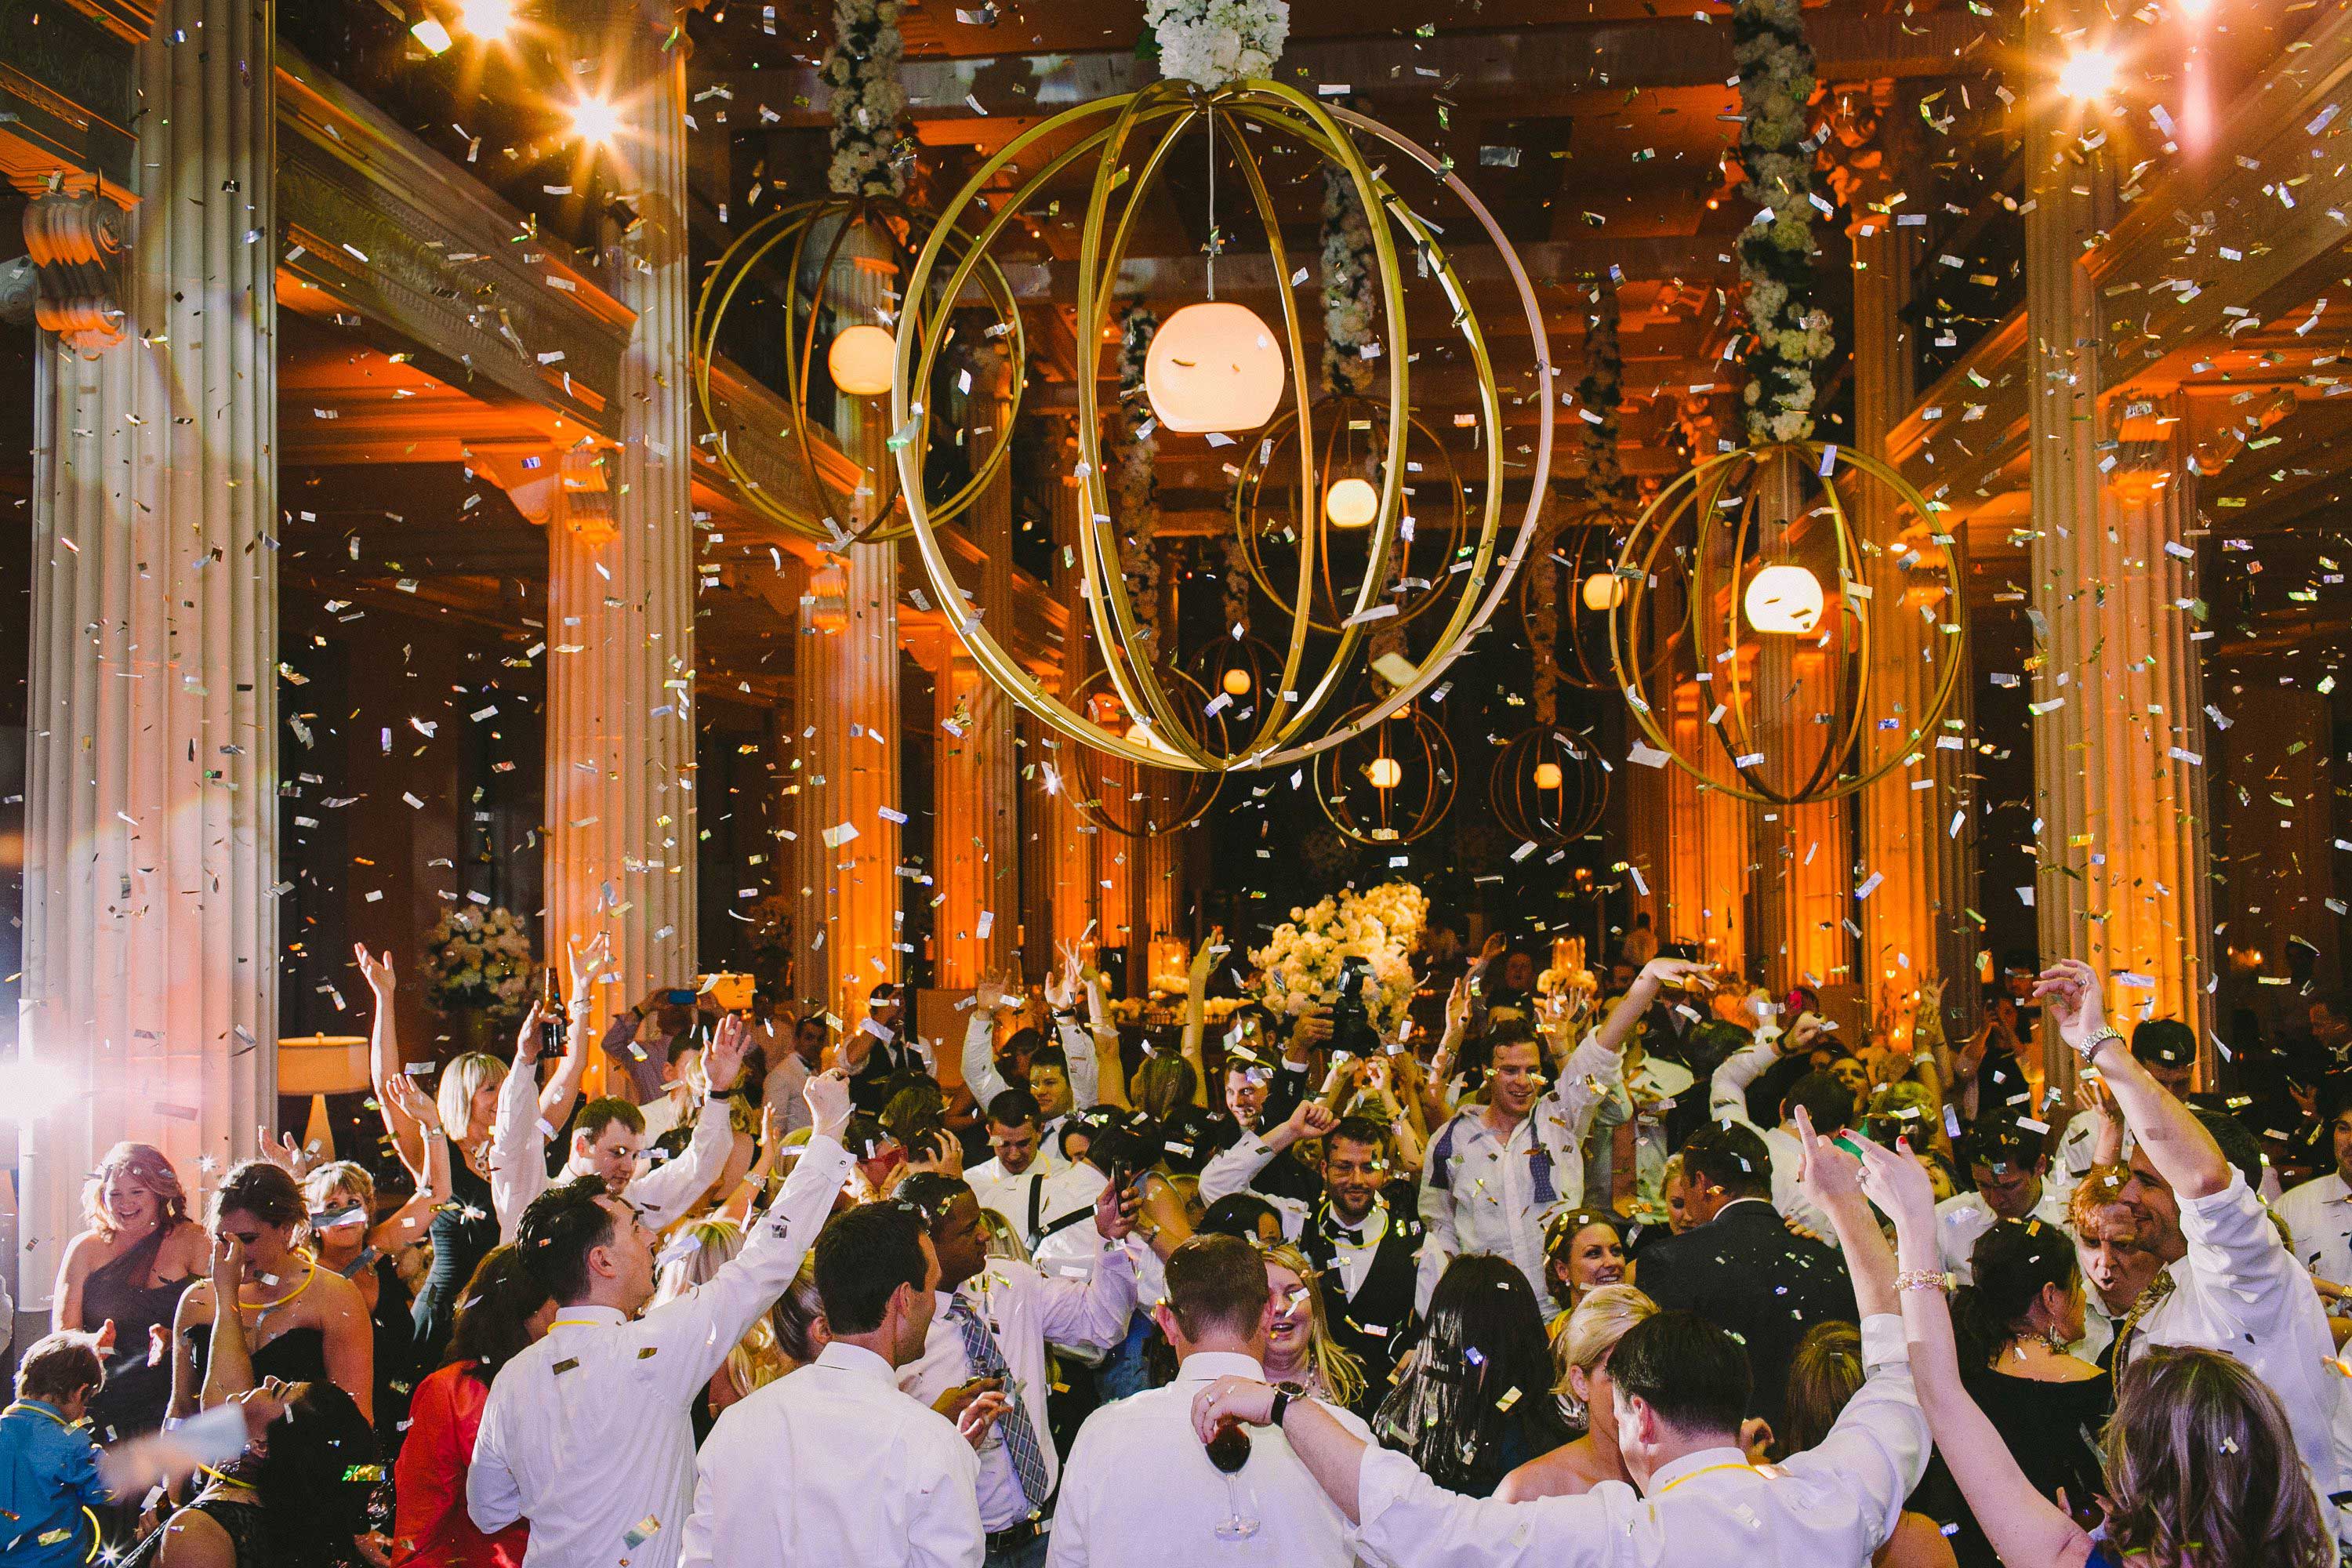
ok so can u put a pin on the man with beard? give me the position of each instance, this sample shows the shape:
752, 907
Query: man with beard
1497, 1170
1361, 1232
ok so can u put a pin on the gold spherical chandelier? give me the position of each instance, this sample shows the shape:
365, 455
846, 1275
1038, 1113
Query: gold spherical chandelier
1391, 783
1567, 592
1758, 588
800, 256
1213, 374
1548, 788
1277, 531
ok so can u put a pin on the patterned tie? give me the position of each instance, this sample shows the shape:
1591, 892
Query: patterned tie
1540, 1175
1020, 1434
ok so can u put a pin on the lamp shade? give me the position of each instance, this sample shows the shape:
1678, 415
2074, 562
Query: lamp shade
322, 1064
1351, 503
1784, 600
862, 360
1603, 592
1214, 366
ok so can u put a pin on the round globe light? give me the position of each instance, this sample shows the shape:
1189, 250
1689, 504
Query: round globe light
1784, 601
1214, 367
1546, 775
1351, 503
1603, 592
1236, 682
862, 360
1386, 773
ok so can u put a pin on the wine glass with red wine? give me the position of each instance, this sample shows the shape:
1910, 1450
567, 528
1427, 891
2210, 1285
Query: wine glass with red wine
1229, 1450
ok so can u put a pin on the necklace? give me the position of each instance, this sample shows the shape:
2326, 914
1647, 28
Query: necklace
261, 1310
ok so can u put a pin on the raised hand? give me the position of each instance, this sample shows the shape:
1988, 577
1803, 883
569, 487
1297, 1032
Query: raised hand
588, 959
2093, 1094
1827, 1173
1457, 1006
1205, 958
376, 969
289, 1155
827, 1094
1496, 945
992, 996
1312, 1118
1898, 1185
1115, 1211
414, 1103
942, 1153
2069, 990
228, 1271
730, 1043
527, 1040
978, 1414
1680, 973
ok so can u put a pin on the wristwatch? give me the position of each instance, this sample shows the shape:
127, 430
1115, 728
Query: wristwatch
2088, 1051
1281, 1405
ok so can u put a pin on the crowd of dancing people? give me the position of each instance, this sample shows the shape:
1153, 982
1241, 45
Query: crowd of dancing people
1638, 1267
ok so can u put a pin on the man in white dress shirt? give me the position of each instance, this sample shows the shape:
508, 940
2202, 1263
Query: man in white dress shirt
994, 1318
832, 1464
802, 1057
2011, 1171
608, 1141
1680, 1385
1496, 1172
2319, 1212
1014, 1182
2230, 1284
1217, 1316
588, 1434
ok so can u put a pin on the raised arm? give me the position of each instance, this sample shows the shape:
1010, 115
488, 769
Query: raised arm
228, 1368
385, 1066
1110, 1072
519, 1134
2183, 1153
1656, 975
668, 1190
1196, 1011
2026, 1529
588, 960
979, 1075
408, 1223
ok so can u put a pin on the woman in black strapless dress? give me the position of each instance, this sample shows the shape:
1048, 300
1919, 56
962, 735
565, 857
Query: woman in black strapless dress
140, 1252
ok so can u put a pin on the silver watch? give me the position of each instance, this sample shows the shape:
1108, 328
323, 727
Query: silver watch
2088, 1051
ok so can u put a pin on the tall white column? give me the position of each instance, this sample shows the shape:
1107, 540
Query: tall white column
620, 682
151, 811
2118, 736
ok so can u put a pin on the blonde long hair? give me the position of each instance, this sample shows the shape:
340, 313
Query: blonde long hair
1592, 1331
757, 1358
465, 1076
1341, 1374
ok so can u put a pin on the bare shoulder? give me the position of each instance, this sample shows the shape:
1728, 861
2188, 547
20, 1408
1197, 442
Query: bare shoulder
187, 1250
1560, 1473
1917, 1542
335, 1296
194, 1538
83, 1253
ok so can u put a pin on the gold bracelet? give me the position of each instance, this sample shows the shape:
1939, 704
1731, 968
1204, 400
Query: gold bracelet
1934, 1279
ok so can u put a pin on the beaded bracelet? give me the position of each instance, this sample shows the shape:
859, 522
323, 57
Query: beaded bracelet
1934, 1279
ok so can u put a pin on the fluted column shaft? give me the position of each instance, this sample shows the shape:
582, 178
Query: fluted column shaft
620, 682
151, 815
2118, 734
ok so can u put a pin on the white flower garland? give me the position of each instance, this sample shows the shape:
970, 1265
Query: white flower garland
862, 68
1789, 334
1350, 301
1134, 476
1214, 43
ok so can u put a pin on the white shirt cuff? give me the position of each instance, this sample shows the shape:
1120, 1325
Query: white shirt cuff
1881, 1340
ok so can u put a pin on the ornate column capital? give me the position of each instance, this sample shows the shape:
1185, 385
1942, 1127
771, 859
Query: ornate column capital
71, 281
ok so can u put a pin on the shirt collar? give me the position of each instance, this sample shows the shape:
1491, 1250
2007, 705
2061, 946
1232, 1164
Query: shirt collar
585, 1316
1691, 1463
1204, 1366
856, 1361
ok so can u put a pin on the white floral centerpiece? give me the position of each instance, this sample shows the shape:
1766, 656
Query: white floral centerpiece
862, 68
1302, 959
1213, 43
1789, 334
482, 961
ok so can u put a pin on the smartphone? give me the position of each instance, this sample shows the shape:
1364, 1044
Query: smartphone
681, 996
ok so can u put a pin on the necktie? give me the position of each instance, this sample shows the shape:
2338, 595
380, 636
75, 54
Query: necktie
1540, 1175
980, 1348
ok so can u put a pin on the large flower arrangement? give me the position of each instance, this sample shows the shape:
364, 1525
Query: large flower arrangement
1134, 476
482, 960
862, 68
1301, 961
1212, 42
1790, 335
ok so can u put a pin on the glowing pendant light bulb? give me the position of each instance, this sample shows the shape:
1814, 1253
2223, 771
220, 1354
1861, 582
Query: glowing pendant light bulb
1214, 367
1236, 682
862, 360
1351, 503
1386, 773
1546, 775
1603, 592
1784, 601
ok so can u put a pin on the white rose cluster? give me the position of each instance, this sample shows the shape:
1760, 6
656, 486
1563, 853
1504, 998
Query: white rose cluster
1350, 301
1789, 337
862, 68
1135, 474
1214, 43
1302, 959
484, 959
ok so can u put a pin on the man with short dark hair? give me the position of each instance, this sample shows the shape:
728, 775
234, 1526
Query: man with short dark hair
587, 1433
1829, 1101
1676, 1383
48, 1461
608, 1141
1362, 1233
1740, 1266
994, 1318
1062, 1077
2007, 1163
1014, 1182
834, 1464
881, 1051
2319, 1212
1216, 1316
800, 1059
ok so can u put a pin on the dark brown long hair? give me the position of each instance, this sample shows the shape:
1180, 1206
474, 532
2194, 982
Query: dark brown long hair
2202, 1468
494, 1314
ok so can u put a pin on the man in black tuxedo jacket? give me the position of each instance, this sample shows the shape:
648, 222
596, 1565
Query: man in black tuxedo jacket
1362, 1230
1741, 1267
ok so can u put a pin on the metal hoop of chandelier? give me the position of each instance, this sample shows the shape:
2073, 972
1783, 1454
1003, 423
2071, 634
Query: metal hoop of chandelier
1096, 797
1129, 140
1582, 552
1348, 452
1390, 783
1548, 788
1748, 536
794, 252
